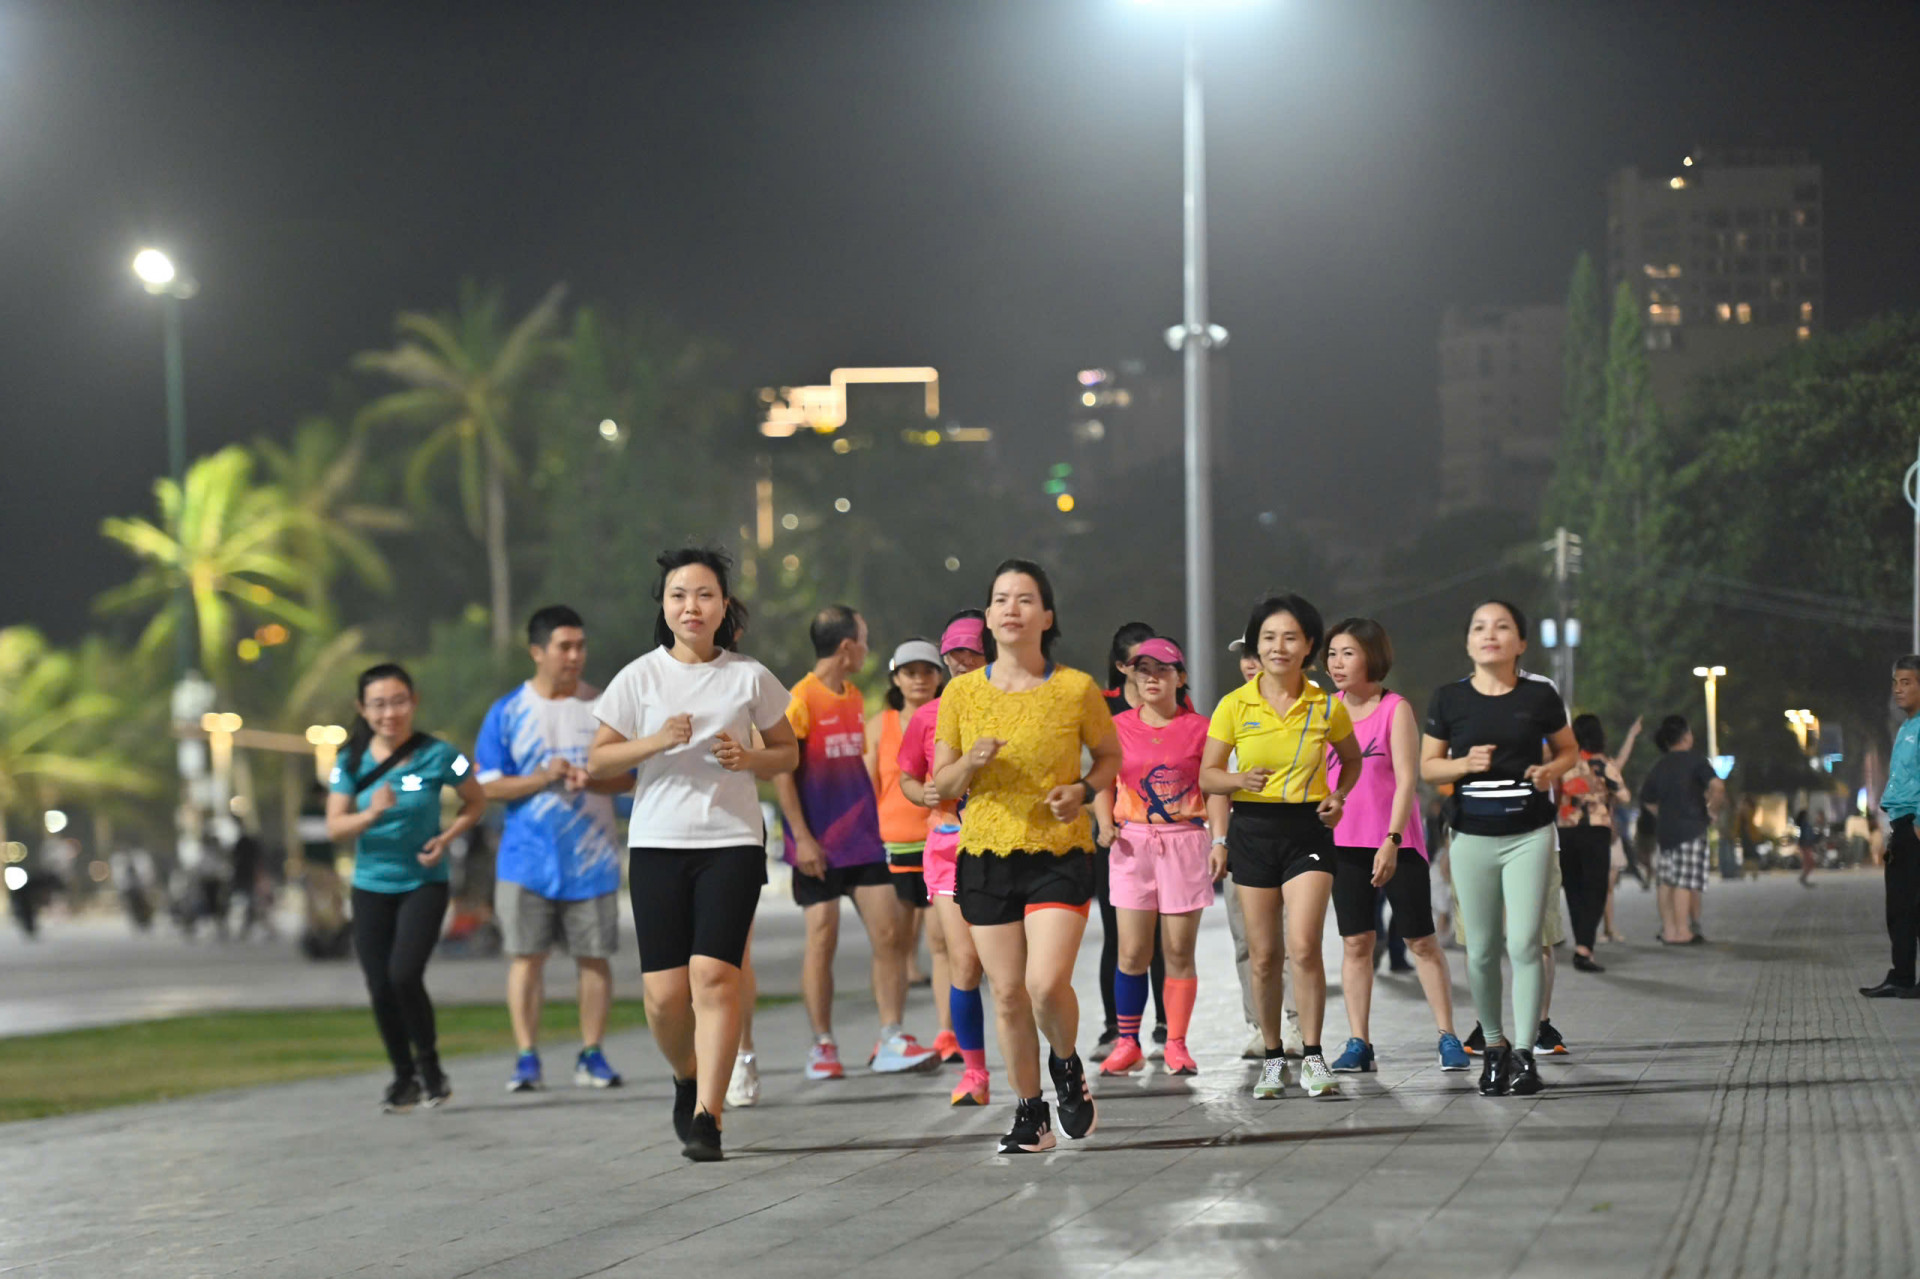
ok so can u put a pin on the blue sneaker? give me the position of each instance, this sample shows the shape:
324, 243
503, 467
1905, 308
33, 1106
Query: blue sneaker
526, 1074
591, 1070
1356, 1059
1452, 1055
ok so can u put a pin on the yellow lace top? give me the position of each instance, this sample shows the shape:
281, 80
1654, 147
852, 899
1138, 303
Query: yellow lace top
1044, 730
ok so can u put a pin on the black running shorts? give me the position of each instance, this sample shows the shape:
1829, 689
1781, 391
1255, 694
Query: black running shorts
1006, 888
1409, 893
694, 901
1268, 844
839, 881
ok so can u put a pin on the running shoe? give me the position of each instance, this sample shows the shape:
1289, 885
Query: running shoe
1497, 1073
1159, 1041
1108, 1038
703, 1140
1032, 1131
435, 1088
1179, 1061
1587, 963
1355, 1059
1548, 1042
1291, 1041
1256, 1049
401, 1096
686, 1095
947, 1044
1452, 1055
823, 1061
973, 1088
526, 1073
744, 1088
1476, 1040
1077, 1114
900, 1053
1316, 1078
1125, 1058
1273, 1079
592, 1070
1524, 1077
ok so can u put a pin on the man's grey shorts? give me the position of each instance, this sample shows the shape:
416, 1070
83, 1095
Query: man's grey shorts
530, 924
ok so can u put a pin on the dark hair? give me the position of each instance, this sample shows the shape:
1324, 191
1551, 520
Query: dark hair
1589, 735
898, 700
1513, 611
542, 625
992, 649
360, 734
715, 561
1123, 639
833, 626
1373, 641
1304, 613
1671, 730
1027, 568
1911, 662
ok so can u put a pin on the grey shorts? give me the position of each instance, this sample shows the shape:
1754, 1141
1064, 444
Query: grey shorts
1683, 865
531, 924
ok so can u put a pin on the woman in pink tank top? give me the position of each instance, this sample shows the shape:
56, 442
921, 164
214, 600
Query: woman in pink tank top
1380, 845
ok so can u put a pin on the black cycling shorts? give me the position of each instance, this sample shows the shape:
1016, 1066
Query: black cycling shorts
1409, 893
694, 901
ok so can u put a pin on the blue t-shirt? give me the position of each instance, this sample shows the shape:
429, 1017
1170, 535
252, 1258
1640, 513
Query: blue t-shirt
1901, 798
557, 843
386, 857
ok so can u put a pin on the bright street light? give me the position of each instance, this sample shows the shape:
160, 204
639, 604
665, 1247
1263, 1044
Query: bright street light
154, 268
1712, 675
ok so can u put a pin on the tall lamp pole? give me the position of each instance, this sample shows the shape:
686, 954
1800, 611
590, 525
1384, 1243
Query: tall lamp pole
162, 279
1911, 487
1712, 675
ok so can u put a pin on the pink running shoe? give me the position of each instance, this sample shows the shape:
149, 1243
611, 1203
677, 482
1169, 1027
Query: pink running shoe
900, 1053
947, 1045
972, 1090
1178, 1060
1125, 1058
823, 1062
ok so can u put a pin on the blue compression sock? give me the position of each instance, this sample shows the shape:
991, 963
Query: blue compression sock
969, 1021
1130, 1002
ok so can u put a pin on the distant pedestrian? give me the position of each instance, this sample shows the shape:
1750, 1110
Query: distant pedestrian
1588, 794
386, 786
1806, 841
1683, 794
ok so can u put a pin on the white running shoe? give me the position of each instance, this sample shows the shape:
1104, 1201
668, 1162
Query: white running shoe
902, 1052
1291, 1041
744, 1088
1273, 1079
1317, 1079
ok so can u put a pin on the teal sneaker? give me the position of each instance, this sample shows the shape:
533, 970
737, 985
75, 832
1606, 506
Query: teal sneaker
1355, 1059
1452, 1055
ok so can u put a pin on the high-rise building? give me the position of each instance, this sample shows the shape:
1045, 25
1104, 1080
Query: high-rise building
1725, 255
1129, 417
1499, 404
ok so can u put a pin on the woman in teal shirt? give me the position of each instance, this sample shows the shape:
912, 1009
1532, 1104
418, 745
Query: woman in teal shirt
386, 797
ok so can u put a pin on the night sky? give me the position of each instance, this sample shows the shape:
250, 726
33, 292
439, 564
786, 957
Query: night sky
988, 186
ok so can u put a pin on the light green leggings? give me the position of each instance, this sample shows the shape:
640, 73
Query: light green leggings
1502, 879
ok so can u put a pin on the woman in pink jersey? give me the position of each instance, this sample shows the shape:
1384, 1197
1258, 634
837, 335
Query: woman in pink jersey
1155, 822
1380, 843
964, 646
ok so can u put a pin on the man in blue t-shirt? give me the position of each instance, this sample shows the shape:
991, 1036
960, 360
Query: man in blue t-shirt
1900, 801
557, 877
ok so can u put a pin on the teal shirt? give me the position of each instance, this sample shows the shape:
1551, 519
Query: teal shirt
1901, 798
386, 858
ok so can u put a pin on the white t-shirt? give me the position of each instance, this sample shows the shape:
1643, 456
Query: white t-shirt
683, 798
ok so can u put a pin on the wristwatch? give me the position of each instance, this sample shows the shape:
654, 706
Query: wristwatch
1394, 835
1087, 786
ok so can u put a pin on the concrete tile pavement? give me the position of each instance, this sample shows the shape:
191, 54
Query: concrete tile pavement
1734, 1108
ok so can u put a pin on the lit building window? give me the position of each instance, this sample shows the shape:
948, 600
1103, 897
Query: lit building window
1803, 333
1658, 314
1724, 311
1677, 183
1745, 312
1806, 312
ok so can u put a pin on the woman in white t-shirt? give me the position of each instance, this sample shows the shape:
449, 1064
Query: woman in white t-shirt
682, 718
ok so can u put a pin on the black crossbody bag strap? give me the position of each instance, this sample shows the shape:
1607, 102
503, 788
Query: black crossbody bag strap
405, 749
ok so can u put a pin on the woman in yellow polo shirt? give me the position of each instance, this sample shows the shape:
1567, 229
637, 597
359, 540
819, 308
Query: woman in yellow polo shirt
1279, 843
1009, 739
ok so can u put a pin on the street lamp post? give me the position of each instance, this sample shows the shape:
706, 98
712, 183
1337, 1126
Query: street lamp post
162, 279
1712, 675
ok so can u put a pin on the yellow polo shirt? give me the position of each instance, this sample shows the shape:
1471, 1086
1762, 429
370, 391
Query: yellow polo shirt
1293, 745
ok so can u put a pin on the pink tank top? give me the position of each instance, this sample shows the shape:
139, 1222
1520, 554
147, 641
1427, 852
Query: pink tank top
1364, 822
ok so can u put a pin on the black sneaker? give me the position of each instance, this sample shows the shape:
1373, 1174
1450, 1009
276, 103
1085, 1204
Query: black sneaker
1523, 1076
435, 1087
1160, 1034
685, 1097
1548, 1041
1587, 963
1077, 1117
401, 1096
1497, 1073
1032, 1131
1476, 1041
703, 1140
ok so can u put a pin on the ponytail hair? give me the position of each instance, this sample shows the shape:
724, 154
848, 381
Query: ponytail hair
360, 734
720, 564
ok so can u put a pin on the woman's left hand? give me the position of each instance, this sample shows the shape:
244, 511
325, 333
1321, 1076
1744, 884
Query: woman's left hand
1067, 801
1385, 862
1330, 809
435, 849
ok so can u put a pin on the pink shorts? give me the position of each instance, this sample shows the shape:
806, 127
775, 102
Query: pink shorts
938, 861
1160, 867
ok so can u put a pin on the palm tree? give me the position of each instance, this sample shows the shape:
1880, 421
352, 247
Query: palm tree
53, 727
224, 540
316, 474
464, 374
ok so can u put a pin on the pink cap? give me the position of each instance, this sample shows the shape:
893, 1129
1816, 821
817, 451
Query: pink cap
964, 632
1161, 650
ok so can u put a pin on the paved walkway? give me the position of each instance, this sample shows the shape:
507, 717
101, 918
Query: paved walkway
1732, 1109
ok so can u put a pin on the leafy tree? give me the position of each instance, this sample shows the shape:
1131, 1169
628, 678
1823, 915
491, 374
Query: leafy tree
467, 375
225, 540
319, 473
1570, 494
